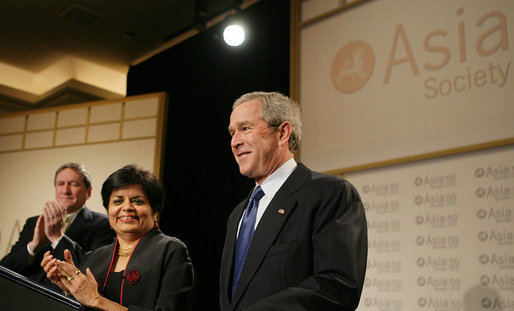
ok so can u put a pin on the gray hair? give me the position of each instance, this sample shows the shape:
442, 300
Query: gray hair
276, 109
79, 168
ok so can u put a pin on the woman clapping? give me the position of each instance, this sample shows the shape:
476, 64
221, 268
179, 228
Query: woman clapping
143, 269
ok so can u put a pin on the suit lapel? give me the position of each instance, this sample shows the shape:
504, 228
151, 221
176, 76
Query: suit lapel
268, 228
78, 226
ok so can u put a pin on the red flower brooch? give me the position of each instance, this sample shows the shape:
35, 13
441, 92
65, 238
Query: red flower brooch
133, 277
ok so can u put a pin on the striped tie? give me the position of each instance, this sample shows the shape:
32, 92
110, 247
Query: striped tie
245, 235
66, 223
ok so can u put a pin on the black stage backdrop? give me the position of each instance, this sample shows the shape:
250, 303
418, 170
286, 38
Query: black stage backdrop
202, 77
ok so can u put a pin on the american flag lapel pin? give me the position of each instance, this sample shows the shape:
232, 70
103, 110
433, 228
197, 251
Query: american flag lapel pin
281, 211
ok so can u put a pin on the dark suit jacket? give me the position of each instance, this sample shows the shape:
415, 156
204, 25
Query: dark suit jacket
88, 231
161, 277
308, 251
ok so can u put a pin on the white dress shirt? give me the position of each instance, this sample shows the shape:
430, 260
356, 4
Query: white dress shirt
270, 187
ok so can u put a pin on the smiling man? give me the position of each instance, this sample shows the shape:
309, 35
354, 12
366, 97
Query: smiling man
65, 223
299, 240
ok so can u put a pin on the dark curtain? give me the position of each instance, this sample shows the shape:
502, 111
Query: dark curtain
202, 77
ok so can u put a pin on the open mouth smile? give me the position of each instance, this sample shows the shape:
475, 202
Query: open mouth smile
128, 218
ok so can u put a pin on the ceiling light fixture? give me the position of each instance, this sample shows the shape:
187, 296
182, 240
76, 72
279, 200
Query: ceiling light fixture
234, 35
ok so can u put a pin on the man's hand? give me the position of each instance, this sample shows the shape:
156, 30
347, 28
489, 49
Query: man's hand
39, 238
54, 220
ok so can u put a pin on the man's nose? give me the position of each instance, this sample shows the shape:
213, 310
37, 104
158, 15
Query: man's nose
236, 140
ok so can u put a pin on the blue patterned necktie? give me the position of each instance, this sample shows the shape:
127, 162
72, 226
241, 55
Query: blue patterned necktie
245, 235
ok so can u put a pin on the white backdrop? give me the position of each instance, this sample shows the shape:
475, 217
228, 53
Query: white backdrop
389, 81
441, 234
395, 78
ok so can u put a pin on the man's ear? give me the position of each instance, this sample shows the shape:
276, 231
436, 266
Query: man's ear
285, 129
89, 192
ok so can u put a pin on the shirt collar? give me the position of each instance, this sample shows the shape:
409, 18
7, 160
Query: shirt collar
71, 216
274, 181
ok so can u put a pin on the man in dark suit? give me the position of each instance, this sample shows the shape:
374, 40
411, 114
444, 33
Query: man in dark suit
65, 223
299, 241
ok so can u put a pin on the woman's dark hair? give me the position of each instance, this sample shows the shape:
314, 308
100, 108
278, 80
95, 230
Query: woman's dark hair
132, 175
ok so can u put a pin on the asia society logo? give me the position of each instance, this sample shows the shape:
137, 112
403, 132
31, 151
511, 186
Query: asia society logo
422, 302
480, 192
421, 281
418, 200
479, 172
420, 262
485, 280
420, 240
483, 259
368, 302
486, 303
352, 67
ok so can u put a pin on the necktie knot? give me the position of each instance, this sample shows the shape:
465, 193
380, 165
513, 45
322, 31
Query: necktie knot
257, 194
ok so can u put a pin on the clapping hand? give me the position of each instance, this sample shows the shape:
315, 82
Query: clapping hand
70, 279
